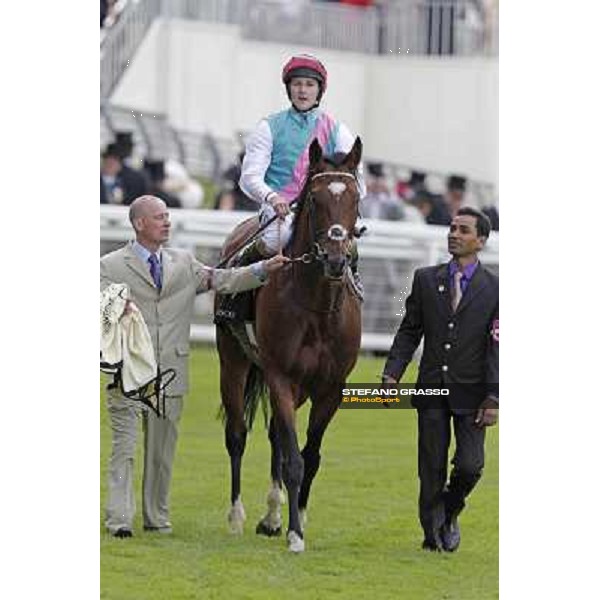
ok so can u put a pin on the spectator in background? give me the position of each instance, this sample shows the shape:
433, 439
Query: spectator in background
455, 193
407, 190
231, 196
138, 182
110, 11
432, 207
491, 212
360, 3
155, 170
379, 203
124, 141
178, 183
103, 11
119, 184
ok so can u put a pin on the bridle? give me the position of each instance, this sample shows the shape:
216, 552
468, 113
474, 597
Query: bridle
336, 232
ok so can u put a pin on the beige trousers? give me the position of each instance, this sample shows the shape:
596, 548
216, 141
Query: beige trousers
160, 438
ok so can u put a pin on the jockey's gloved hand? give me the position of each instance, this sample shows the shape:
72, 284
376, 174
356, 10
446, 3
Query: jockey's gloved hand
280, 204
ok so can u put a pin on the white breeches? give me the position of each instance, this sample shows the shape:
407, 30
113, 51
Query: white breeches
278, 232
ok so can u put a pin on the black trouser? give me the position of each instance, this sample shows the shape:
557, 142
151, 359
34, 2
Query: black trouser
439, 501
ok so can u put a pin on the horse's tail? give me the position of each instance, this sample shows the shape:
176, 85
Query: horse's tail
255, 392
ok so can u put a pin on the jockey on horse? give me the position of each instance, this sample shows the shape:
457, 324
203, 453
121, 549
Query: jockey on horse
276, 162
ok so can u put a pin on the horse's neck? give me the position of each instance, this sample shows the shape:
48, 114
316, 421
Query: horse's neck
301, 242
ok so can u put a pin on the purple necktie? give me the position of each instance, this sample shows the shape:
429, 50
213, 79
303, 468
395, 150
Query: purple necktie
155, 270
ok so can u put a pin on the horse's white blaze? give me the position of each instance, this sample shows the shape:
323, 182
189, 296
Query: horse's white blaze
337, 187
295, 542
236, 517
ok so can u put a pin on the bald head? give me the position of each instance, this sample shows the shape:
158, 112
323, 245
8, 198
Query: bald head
149, 218
142, 206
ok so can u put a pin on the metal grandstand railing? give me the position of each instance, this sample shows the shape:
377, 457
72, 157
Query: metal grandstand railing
202, 154
218, 11
120, 42
338, 27
436, 27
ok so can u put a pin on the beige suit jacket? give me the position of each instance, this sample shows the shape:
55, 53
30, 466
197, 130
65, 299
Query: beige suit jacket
168, 313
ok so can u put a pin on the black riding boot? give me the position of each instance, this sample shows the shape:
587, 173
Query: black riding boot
238, 307
358, 286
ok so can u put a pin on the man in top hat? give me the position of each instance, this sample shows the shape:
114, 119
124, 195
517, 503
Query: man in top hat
137, 180
119, 184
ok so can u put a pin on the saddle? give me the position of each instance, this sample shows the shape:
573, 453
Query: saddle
237, 312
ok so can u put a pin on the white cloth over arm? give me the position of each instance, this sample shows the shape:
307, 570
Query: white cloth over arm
125, 339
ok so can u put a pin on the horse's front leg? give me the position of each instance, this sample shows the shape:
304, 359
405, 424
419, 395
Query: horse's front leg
324, 406
282, 401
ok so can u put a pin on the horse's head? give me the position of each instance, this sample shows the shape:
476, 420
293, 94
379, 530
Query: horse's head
331, 201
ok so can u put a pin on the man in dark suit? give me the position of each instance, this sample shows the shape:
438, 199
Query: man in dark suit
119, 183
455, 307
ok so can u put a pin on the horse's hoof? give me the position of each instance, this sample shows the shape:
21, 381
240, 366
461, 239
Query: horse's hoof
295, 542
236, 518
236, 527
264, 529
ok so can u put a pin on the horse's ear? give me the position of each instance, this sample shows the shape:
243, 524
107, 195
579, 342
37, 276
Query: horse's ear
315, 153
353, 157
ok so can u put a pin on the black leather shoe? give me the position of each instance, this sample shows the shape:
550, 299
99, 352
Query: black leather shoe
123, 532
451, 535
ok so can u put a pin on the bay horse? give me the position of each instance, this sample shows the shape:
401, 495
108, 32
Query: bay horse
308, 330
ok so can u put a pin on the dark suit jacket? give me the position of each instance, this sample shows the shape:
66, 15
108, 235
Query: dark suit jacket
133, 183
461, 348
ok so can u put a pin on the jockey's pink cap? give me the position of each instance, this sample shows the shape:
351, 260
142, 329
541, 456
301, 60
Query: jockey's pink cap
305, 65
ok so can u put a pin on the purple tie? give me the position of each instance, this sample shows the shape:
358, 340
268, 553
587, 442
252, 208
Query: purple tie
155, 270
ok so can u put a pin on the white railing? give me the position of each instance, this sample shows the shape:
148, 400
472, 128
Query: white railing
389, 253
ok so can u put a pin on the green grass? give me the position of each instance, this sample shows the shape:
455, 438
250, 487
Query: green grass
363, 536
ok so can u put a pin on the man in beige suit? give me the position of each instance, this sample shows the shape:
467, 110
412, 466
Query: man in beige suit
163, 283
